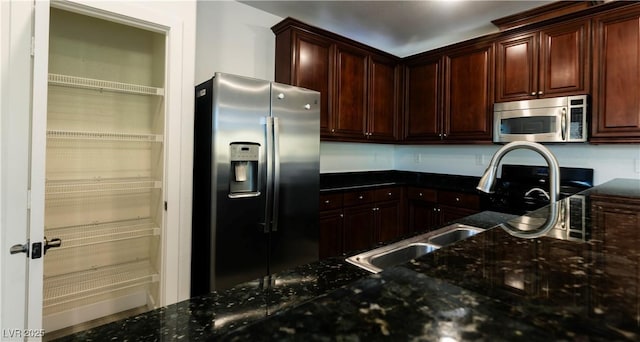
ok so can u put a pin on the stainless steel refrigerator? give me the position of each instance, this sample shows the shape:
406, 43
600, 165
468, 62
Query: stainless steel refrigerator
255, 180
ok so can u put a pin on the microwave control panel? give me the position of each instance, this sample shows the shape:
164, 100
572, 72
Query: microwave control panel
577, 118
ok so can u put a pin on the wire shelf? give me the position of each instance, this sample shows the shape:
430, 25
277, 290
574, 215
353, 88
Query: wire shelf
100, 185
91, 234
76, 286
103, 136
90, 83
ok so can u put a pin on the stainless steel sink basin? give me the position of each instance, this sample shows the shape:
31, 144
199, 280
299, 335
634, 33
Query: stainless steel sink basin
403, 251
401, 255
452, 236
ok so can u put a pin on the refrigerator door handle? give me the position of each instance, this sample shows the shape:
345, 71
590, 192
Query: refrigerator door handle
269, 164
276, 171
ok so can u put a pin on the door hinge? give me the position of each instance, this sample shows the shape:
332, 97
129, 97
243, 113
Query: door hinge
165, 205
33, 46
28, 199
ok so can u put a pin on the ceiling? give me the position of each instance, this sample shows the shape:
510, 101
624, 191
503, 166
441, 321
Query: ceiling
402, 28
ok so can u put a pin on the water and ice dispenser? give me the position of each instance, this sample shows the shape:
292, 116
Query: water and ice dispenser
243, 177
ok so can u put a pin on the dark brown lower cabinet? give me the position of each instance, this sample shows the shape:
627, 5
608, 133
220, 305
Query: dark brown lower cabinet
430, 208
358, 228
357, 220
331, 233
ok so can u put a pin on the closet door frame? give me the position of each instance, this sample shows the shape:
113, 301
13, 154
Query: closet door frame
131, 14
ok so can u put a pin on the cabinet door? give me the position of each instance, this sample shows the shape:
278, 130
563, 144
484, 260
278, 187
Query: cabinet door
449, 213
312, 70
331, 233
422, 100
382, 119
388, 218
516, 68
350, 93
564, 60
423, 216
358, 228
468, 109
616, 72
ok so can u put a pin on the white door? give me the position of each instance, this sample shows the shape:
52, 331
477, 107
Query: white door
15, 102
24, 58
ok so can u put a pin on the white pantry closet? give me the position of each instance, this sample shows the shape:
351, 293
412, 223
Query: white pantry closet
104, 170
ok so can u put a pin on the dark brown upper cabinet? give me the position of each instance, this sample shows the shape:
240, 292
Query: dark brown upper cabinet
306, 60
384, 99
359, 85
350, 115
422, 99
468, 94
449, 95
551, 61
616, 76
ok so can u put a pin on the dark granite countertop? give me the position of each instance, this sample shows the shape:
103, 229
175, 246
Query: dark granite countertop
221, 312
493, 286
330, 182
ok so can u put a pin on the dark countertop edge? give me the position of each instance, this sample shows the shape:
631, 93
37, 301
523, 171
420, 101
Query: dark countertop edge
363, 180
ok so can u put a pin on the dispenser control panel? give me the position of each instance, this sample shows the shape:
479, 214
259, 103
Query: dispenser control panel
244, 152
243, 180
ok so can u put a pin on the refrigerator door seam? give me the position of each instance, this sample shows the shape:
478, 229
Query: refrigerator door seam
269, 165
276, 171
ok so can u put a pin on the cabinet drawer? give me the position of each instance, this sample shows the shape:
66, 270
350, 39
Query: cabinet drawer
422, 194
458, 199
387, 194
331, 201
358, 197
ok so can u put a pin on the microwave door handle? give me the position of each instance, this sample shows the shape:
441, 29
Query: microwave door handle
563, 124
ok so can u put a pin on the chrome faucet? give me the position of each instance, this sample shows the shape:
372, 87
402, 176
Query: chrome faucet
488, 178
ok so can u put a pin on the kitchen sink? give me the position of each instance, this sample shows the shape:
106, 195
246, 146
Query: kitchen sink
400, 252
401, 255
452, 236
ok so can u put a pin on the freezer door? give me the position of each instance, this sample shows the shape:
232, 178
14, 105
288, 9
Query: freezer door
296, 121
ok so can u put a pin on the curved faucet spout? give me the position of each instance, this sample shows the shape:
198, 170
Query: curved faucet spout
488, 178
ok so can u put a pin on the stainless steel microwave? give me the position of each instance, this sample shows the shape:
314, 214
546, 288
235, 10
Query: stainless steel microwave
558, 119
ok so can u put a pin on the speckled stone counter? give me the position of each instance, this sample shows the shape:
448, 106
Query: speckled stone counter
351, 180
493, 286
213, 315
219, 313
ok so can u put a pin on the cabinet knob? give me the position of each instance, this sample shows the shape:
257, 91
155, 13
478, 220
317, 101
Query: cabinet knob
281, 96
327, 202
444, 135
360, 197
540, 92
307, 106
533, 93
420, 194
333, 130
389, 194
457, 199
